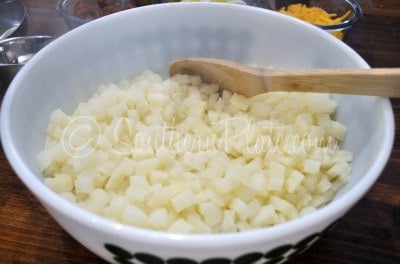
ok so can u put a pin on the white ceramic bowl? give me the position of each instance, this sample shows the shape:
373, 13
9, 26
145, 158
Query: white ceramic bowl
70, 69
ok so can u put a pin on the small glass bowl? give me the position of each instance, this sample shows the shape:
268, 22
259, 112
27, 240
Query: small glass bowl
337, 7
15, 52
79, 12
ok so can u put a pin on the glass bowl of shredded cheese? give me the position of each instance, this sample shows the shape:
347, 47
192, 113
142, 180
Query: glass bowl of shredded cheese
334, 16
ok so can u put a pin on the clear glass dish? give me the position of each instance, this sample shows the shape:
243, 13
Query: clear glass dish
79, 12
347, 12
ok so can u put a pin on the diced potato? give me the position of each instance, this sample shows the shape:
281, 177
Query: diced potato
240, 208
117, 109
125, 169
60, 118
176, 155
157, 98
259, 183
266, 216
83, 183
158, 176
115, 209
301, 124
97, 201
154, 118
275, 182
310, 182
60, 183
341, 169
159, 197
158, 218
322, 106
138, 189
245, 193
166, 159
180, 226
135, 216
323, 185
337, 130
254, 206
211, 212
276, 172
212, 116
214, 197
223, 185
283, 206
240, 101
145, 166
318, 200
183, 200
168, 113
342, 155
199, 226
195, 161
324, 121
243, 226
293, 181
142, 152
228, 221
311, 166
307, 210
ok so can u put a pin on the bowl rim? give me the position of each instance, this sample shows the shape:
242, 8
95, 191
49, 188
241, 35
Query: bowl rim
23, 18
47, 197
23, 38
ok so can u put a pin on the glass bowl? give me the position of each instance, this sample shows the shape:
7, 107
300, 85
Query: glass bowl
15, 52
78, 12
343, 13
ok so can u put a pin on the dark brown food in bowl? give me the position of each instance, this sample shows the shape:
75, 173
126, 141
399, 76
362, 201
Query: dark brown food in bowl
90, 9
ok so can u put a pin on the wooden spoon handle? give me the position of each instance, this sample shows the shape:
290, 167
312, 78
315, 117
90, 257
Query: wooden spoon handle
377, 82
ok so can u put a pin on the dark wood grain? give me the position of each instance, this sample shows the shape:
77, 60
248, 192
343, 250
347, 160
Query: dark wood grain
369, 233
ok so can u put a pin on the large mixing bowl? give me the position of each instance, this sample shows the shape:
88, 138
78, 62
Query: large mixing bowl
122, 45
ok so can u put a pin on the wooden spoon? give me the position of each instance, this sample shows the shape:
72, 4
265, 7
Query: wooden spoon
250, 81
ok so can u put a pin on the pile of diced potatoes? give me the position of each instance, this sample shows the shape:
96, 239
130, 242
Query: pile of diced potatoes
179, 156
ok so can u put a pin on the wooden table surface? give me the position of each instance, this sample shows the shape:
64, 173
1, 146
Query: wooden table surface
369, 233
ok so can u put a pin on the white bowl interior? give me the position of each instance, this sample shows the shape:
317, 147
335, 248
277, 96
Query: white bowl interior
120, 46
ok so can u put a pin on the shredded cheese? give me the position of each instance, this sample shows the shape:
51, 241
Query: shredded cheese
316, 16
